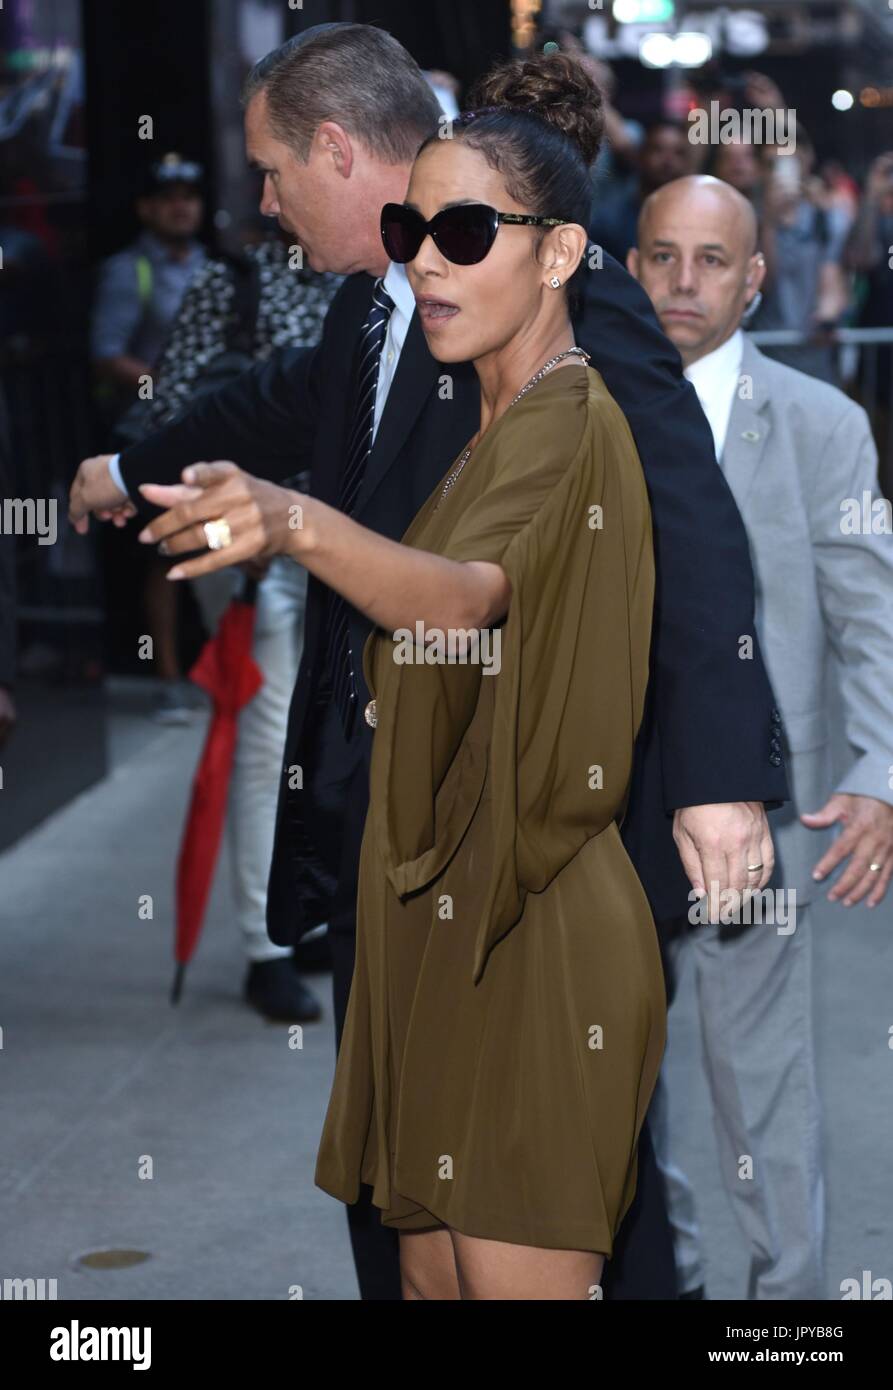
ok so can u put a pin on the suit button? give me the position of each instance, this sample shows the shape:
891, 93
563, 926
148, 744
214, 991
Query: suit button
775, 759
371, 715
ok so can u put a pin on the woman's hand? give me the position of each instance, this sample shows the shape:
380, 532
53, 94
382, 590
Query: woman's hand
262, 517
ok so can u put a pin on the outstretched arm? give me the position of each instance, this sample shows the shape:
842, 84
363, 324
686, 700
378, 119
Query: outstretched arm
395, 585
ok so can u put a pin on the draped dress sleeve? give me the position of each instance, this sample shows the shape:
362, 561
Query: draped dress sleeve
558, 500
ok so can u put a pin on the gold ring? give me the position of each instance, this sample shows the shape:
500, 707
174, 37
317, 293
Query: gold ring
752, 868
875, 868
218, 534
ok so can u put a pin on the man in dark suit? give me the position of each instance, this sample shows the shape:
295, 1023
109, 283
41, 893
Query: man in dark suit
705, 762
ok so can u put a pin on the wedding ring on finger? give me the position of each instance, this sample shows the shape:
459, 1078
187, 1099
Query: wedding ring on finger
754, 868
218, 534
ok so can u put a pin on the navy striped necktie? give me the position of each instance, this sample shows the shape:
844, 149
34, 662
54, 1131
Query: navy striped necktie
340, 658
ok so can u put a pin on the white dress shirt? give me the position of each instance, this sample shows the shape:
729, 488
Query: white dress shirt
396, 283
715, 379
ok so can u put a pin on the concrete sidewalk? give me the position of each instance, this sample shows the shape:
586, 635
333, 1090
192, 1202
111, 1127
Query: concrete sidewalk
101, 1076
99, 1071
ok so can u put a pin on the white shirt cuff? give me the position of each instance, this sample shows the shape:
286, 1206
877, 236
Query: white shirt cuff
115, 472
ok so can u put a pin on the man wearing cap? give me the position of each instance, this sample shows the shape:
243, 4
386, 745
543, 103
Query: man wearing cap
139, 294
141, 288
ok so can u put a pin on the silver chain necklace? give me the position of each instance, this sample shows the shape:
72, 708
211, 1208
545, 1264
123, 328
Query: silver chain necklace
538, 376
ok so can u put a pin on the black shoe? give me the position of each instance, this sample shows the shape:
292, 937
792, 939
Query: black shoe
313, 955
273, 988
694, 1293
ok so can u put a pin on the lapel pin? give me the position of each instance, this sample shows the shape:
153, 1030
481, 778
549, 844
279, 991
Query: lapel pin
751, 436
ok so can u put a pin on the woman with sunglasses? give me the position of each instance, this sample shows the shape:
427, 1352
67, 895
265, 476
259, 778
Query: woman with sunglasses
507, 1012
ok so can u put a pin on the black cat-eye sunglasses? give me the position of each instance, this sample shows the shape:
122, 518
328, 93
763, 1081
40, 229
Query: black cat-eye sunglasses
464, 234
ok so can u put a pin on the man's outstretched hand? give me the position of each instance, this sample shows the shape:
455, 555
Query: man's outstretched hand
94, 492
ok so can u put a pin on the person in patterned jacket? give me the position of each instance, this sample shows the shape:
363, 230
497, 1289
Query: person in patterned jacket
239, 310
268, 283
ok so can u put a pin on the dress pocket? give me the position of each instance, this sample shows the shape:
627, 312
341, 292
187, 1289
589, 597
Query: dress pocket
429, 766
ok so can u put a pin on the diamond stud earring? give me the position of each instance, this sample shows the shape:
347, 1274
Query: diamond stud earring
555, 282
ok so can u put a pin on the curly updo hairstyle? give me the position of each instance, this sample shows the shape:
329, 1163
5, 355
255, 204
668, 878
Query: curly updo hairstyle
539, 122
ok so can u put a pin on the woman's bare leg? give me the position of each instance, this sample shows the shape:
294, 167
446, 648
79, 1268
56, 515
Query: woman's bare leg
428, 1265
493, 1269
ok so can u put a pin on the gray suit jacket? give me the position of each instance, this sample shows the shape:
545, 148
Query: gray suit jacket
793, 455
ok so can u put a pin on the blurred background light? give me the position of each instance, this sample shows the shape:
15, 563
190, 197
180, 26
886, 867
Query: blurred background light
746, 33
657, 50
692, 50
643, 11
686, 50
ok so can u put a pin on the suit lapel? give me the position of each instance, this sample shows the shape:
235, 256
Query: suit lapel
749, 426
416, 376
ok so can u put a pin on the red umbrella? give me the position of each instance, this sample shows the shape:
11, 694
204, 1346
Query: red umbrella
227, 671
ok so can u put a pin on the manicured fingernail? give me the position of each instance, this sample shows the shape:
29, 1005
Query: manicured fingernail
817, 876
163, 548
175, 573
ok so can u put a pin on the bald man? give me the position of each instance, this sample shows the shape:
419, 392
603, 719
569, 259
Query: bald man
800, 461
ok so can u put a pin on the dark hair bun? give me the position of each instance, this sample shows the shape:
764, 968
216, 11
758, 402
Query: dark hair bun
555, 87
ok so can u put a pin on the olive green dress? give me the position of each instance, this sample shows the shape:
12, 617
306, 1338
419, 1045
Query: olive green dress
507, 1014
